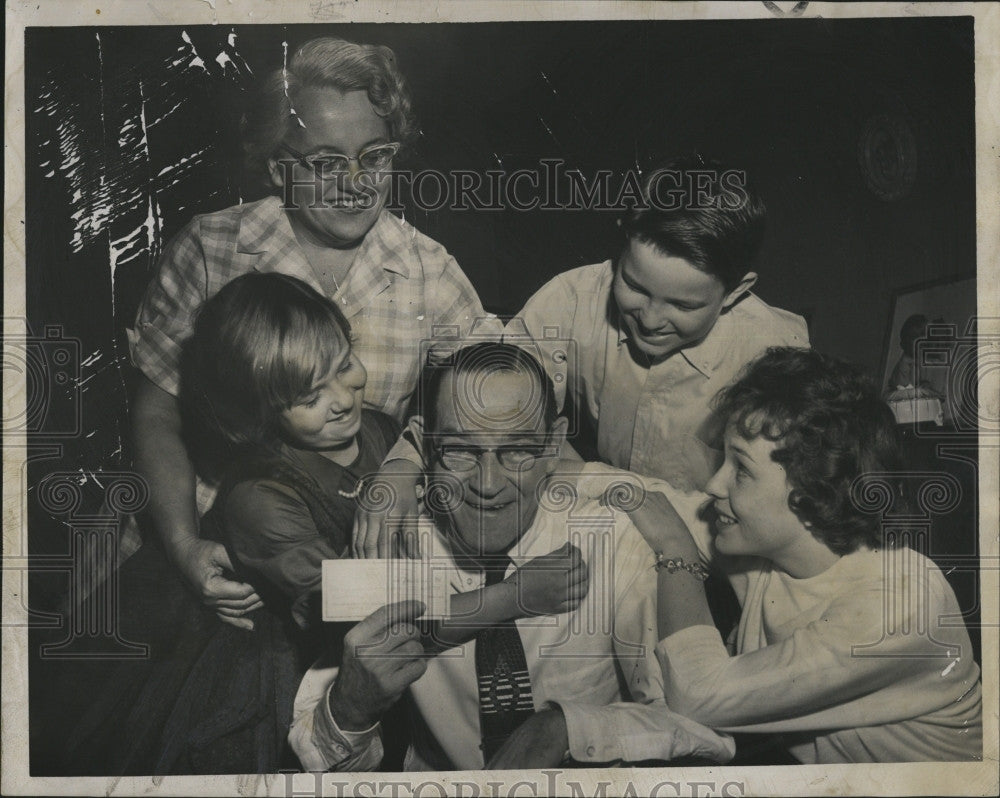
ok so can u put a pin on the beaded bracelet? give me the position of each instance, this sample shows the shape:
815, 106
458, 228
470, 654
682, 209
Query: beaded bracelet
674, 564
353, 494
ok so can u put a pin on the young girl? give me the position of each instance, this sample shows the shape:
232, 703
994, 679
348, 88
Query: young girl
275, 386
843, 644
274, 393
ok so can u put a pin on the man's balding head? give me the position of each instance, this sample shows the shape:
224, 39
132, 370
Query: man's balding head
491, 435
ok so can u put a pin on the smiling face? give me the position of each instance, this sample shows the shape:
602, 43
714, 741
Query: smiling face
338, 122
498, 500
667, 303
750, 499
328, 416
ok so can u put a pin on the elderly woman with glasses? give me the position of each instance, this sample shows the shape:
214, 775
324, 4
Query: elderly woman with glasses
322, 135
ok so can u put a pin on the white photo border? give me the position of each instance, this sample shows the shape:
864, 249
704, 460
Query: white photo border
895, 779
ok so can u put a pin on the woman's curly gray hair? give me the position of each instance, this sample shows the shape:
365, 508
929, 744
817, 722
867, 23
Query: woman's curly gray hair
323, 62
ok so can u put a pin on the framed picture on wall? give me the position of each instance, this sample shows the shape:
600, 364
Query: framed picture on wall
922, 354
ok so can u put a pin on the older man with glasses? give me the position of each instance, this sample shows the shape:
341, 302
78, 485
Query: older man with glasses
494, 499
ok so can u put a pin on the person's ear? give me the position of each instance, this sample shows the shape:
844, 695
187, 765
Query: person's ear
557, 437
277, 173
748, 281
415, 426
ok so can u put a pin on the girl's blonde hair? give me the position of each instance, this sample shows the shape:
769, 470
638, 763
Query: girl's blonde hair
259, 346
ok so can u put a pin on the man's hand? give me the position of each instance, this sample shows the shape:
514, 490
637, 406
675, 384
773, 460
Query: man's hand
553, 583
203, 564
383, 656
540, 742
385, 524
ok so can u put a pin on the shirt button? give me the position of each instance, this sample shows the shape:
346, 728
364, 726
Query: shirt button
591, 750
468, 581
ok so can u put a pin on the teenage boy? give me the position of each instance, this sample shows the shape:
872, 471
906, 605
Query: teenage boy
661, 329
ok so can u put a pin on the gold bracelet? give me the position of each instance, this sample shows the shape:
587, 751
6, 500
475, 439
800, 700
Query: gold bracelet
673, 564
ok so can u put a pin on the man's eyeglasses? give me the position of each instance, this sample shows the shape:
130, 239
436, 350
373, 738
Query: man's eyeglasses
327, 165
512, 457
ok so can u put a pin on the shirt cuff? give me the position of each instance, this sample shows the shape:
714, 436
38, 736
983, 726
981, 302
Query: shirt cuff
339, 740
630, 732
318, 741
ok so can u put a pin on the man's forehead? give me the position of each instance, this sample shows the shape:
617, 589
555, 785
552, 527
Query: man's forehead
491, 403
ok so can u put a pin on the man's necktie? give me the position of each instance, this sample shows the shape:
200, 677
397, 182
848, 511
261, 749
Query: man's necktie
504, 685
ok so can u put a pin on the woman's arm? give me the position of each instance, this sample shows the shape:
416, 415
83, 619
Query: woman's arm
163, 462
681, 600
809, 680
163, 323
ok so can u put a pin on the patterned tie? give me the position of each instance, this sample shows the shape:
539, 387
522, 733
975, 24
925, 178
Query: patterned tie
504, 685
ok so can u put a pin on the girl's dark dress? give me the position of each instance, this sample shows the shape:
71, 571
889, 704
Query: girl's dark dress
213, 698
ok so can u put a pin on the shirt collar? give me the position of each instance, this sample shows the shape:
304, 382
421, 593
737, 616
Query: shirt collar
264, 227
707, 355
386, 242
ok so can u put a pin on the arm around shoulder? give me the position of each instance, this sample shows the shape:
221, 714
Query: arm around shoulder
162, 459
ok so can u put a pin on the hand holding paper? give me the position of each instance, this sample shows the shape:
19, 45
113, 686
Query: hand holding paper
383, 656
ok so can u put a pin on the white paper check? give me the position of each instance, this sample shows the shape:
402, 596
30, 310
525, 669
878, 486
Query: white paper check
354, 589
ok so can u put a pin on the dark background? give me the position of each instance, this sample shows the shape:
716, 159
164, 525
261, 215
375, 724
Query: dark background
131, 131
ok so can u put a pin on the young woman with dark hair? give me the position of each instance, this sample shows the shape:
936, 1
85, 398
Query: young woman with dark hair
844, 644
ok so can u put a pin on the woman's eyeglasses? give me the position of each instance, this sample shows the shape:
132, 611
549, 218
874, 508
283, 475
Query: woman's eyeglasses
328, 165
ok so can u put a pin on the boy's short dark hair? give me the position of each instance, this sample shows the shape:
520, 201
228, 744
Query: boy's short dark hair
830, 427
483, 357
703, 211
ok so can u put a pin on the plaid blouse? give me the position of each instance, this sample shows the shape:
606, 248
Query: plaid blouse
402, 291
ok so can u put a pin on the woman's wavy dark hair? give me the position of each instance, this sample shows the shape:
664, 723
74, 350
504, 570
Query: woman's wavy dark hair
325, 62
830, 427
259, 345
